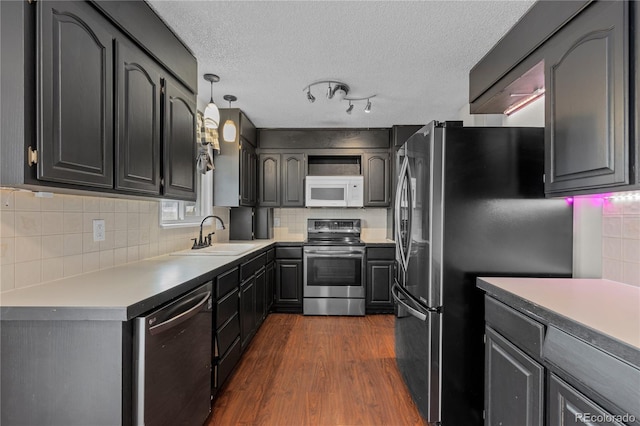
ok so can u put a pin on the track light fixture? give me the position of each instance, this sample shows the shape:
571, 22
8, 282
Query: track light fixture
211, 112
340, 91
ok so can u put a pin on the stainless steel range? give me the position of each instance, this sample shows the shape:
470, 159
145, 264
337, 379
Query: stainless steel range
334, 274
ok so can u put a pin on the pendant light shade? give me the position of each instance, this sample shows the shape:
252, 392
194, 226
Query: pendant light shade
211, 112
229, 130
211, 116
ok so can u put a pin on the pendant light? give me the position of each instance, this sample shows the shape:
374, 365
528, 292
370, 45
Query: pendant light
211, 112
229, 130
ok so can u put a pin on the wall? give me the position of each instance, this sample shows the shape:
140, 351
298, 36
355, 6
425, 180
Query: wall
291, 224
621, 240
43, 239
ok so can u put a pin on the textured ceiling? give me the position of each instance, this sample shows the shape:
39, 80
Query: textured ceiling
415, 55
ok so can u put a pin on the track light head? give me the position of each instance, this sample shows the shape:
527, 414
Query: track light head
367, 108
330, 92
350, 108
310, 97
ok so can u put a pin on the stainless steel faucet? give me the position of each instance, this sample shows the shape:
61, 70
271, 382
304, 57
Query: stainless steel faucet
201, 242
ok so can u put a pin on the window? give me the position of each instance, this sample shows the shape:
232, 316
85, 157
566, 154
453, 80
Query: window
175, 213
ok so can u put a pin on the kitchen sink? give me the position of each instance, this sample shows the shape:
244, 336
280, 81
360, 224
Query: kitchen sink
223, 249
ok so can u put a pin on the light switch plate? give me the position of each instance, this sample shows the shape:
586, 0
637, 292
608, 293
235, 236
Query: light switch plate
98, 230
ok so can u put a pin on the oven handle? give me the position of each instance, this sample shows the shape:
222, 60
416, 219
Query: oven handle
334, 253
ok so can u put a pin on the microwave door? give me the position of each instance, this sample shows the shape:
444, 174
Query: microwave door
327, 195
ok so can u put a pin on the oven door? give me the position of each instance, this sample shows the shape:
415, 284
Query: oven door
334, 272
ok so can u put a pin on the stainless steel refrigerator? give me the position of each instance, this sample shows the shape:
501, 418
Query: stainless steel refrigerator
469, 202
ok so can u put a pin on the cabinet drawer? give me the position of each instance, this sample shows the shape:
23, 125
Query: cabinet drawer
614, 380
226, 364
567, 405
227, 307
227, 333
271, 255
251, 267
526, 333
227, 282
381, 253
288, 252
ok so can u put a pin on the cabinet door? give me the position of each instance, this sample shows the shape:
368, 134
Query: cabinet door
376, 179
75, 117
179, 142
261, 289
138, 121
586, 106
247, 310
379, 281
248, 164
513, 384
269, 180
293, 173
270, 285
289, 284
568, 407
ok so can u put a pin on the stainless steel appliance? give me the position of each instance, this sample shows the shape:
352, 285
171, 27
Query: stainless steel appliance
333, 268
172, 368
469, 202
334, 191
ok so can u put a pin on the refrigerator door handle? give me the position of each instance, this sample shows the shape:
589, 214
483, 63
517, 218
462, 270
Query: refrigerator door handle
394, 292
398, 222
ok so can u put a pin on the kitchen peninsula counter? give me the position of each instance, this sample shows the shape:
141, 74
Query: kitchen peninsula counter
119, 293
603, 313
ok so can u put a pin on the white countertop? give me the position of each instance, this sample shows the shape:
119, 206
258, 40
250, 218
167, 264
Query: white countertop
604, 306
117, 293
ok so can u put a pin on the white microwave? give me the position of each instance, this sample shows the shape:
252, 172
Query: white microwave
334, 191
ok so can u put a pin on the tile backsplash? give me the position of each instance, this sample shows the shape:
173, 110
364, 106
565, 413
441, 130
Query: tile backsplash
293, 222
44, 239
621, 240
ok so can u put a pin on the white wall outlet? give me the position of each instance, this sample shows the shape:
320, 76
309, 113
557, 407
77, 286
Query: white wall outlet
276, 221
99, 230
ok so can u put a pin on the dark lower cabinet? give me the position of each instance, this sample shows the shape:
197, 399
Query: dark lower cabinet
138, 121
226, 345
288, 279
179, 142
380, 276
513, 384
261, 298
75, 108
270, 278
569, 407
247, 310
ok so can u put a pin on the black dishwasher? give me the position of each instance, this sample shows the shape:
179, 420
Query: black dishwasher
172, 368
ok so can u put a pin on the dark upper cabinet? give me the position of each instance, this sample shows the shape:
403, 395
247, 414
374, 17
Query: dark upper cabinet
75, 111
236, 167
138, 123
513, 384
94, 99
179, 141
281, 180
376, 171
269, 180
293, 173
248, 170
587, 101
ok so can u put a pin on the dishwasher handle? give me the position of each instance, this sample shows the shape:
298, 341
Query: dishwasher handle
179, 318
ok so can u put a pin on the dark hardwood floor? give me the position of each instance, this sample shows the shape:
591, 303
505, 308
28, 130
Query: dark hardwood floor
315, 370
